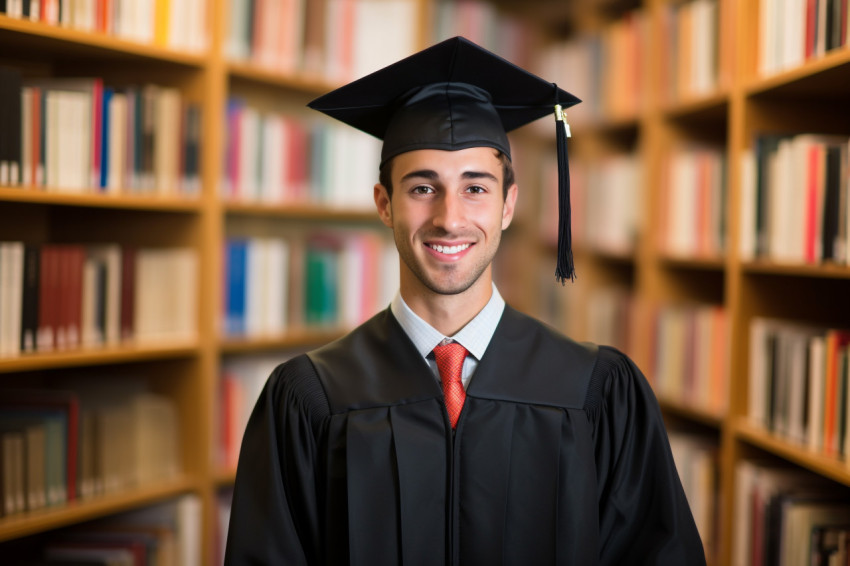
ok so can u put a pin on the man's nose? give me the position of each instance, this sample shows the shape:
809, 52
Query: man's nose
449, 213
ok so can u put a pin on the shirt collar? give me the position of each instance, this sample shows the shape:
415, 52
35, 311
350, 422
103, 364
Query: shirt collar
475, 336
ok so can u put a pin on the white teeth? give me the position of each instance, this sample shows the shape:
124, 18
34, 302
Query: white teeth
450, 250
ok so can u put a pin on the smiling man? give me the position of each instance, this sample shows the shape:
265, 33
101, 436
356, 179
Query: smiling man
447, 215
451, 429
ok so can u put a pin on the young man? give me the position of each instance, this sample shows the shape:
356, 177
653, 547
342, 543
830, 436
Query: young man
450, 429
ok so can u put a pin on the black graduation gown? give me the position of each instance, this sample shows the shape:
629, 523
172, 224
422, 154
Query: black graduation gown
560, 457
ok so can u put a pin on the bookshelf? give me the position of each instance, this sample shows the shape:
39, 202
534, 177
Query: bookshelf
629, 122
742, 102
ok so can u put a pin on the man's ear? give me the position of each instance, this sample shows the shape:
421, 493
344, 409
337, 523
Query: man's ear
509, 206
383, 204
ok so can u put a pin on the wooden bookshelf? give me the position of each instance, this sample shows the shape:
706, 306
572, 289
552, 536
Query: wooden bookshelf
118, 202
313, 212
250, 72
35, 522
52, 40
831, 467
83, 357
289, 341
742, 104
691, 412
180, 370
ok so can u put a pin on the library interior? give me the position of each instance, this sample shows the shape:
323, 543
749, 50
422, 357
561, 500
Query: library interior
175, 223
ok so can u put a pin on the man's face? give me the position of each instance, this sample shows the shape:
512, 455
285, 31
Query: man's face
447, 213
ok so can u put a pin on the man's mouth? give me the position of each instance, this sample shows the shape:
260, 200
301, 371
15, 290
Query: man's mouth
449, 250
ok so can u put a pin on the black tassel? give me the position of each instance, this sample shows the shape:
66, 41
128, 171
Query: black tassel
565, 268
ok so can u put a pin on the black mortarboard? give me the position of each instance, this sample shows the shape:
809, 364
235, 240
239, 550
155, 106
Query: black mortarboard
456, 95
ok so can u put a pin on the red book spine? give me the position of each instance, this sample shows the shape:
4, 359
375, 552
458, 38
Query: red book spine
835, 341
811, 19
258, 42
812, 166
76, 256
47, 316
227, 440
97, 133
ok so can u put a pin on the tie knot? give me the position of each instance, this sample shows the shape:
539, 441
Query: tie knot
449, 359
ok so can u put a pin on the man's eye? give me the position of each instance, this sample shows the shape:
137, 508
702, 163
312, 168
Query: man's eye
422, 190
477, 189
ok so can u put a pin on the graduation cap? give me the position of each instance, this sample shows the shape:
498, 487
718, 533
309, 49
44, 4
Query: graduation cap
456, 95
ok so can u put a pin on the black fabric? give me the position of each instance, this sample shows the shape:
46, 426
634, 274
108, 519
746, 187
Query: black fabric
470, 95
559, 457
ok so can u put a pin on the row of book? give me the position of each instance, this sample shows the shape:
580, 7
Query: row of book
241, 381
795, 199
482, 22
611, 313
82, 136
176, 24
690, 356
799, 383
577, 63
69, 296
103, 437
606, 200
688, 349
696, 461
788, 516
692, 47
275, 158
164, 534
624, 65
693, 200
336, 39
793, 31
334, 279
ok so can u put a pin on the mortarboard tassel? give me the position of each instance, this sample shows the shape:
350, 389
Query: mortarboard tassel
565, 268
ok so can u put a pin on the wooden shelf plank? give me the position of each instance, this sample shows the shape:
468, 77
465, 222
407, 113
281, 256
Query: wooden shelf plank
224, 478
302, 212
800, 270
817, 462
129, 202
691, 412
34, 522
68, 40
123, 353
828, 75
609, 127
299, 82
712, 104
291, 340
707, 263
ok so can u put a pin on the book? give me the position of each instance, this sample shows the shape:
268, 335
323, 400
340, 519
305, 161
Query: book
797, 211
11, 296
10, 131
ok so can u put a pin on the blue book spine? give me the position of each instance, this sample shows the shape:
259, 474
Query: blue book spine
237, 253
104, 138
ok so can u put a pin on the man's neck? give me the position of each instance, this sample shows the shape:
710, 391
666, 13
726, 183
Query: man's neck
449, 313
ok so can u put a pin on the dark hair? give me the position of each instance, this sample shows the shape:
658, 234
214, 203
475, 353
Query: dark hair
385, 174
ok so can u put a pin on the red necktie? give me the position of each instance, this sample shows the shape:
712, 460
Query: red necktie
450, 363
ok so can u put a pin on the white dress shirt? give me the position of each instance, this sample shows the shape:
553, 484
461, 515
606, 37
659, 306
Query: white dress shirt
475, 336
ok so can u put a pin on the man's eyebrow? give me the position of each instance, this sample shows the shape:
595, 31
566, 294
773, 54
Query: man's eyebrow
432, 175
429, 174
479, 175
